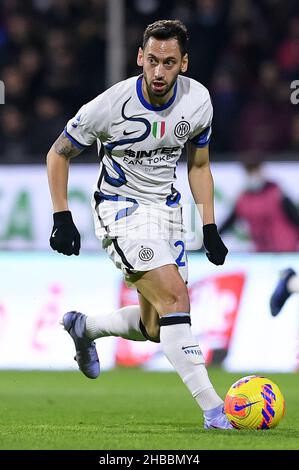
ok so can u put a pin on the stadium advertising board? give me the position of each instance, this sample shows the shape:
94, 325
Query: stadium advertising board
26, 212
230, 312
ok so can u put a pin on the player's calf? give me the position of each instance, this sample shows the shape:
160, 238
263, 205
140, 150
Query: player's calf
151, 331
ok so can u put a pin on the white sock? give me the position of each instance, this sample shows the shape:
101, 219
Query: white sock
293, 284
183, 352
124, 322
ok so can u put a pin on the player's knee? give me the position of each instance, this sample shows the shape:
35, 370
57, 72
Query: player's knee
175, 301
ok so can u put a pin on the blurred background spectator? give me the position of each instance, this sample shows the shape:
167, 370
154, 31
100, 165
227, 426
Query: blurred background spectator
53, 58
270, 217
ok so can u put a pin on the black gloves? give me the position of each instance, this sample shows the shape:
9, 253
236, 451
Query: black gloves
216, 251
65, 237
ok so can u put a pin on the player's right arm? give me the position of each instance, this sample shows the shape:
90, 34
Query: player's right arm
65, 237
80, 132
58, 169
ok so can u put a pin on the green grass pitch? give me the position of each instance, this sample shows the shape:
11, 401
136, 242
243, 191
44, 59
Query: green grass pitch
126, 409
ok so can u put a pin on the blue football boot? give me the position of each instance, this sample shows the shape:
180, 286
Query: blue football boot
216, 419
86, 353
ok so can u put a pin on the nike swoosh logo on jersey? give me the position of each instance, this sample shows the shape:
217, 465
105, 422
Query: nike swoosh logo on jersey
129, 133
241, 407
54, 233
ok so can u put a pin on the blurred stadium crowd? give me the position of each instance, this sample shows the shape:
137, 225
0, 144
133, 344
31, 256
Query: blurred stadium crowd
53, 55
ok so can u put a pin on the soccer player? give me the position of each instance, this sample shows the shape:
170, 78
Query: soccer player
287, 285
141, 126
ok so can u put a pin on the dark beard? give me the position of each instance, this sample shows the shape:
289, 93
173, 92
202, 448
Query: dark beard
153, 94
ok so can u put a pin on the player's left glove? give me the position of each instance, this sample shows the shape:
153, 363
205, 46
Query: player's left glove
216, 251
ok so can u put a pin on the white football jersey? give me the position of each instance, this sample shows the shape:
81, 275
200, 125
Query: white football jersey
140, 144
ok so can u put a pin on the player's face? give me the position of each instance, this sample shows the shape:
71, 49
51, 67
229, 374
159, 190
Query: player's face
162, 61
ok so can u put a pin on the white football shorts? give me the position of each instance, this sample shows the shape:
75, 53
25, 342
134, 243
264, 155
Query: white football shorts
143, 239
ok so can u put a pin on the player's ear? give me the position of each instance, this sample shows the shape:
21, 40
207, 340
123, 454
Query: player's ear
140, 57
184, 65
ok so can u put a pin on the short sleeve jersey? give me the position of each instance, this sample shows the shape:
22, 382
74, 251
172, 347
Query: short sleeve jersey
140, 144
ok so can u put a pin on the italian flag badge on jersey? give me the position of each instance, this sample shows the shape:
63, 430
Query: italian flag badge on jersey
158, 129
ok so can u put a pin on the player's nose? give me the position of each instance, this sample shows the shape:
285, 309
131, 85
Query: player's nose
159, 72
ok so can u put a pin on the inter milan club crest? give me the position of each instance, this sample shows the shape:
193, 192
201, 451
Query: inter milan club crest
182, 129
146, 254
158, 129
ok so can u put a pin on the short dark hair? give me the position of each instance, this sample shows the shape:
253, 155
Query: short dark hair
167, 29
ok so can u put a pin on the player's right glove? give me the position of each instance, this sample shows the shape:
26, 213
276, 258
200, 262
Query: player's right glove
216, 251
65, 237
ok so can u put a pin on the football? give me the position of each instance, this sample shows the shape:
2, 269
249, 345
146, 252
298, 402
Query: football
254, 402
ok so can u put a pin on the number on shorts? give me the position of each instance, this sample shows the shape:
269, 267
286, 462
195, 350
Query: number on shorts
179, 261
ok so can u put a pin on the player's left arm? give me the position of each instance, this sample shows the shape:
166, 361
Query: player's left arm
201, 181
202, 188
